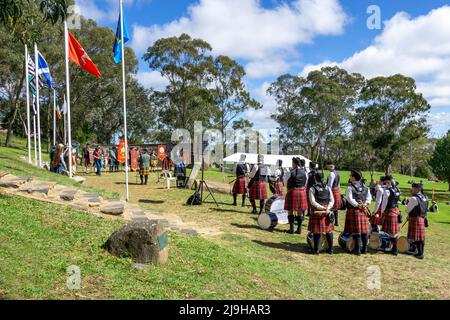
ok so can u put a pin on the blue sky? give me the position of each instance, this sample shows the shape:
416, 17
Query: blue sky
271, 37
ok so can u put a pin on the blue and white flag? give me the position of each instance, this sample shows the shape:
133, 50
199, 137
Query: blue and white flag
43, 70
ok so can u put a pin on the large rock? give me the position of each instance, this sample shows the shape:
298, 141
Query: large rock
144, 242
113, 208
14, 183
68, 195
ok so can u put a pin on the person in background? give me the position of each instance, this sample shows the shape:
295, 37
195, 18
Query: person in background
258, 184
311, 181
112, 159
390, 212
97, 160
334, 182
153, 161
58, 162
144, 166
279, 175
86, 158
52, 158
241, 171
375, 220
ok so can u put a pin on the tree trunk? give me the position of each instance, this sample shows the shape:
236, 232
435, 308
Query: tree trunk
16, 109
448, 184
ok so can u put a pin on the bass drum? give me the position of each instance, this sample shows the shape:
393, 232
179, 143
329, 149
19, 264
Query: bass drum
323, 241
379, 241
346, 241
276, 205
405, 245
267, 221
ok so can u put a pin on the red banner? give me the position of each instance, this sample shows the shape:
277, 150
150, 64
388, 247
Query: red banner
162, 152
134, 159
121, 151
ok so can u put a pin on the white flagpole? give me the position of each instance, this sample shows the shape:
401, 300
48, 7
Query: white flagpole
35, 141
65, 121
37, 105
28, 105
69, 135
124, 100
54, 117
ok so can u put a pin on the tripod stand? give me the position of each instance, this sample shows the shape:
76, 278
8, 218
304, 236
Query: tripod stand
203, 184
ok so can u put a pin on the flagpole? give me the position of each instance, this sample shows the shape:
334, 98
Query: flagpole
124, 100
54, 117
28, 105
35, 141
37, 105
69, 135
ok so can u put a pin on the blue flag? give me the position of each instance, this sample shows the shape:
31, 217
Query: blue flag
43, 70
117, 50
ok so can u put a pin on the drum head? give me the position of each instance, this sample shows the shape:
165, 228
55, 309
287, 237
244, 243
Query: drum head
276, 205
374, 241
323, 241
267, 220
403, 244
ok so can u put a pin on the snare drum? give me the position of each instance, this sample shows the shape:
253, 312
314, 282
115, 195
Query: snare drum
323, 241
267, 220
276, 205
346, 241
379, 241
406, 245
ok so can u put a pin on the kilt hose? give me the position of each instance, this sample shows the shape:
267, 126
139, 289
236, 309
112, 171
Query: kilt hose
143, 171
390, 222
279, 188
239, 186
319, 224
258, 190
376, 220
356, 222
337, 198
416, 228
296, 200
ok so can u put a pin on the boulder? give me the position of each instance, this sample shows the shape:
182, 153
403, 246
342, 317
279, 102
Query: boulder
68, 195
145, 242
79, 179
113, 208
14, 183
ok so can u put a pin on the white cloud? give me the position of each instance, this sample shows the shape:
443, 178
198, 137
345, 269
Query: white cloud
108, 12
439, 123
261, 118
152, 79
417, 47
246, 30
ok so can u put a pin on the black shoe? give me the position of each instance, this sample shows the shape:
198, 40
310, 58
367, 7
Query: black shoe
420, 257
330, 251
254, 211
234, 204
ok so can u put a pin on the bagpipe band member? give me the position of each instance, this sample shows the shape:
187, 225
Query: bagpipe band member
258, 184
375, 220
390, 212
334, 182
321, 199
416, 209
356, 221
296, 199
144, 166
279, 175
311, 181
241, 171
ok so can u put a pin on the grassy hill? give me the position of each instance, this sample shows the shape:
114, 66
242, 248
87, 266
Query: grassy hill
38, 241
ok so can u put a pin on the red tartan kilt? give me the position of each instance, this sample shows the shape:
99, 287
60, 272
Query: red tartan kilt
239, 186
416, 228
319, 224
279, 188
356, 221
307, 199
337, 198
258, 190
376, 220
296, 200
390, 222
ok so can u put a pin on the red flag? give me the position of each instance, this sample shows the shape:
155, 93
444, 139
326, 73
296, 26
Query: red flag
80, 57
